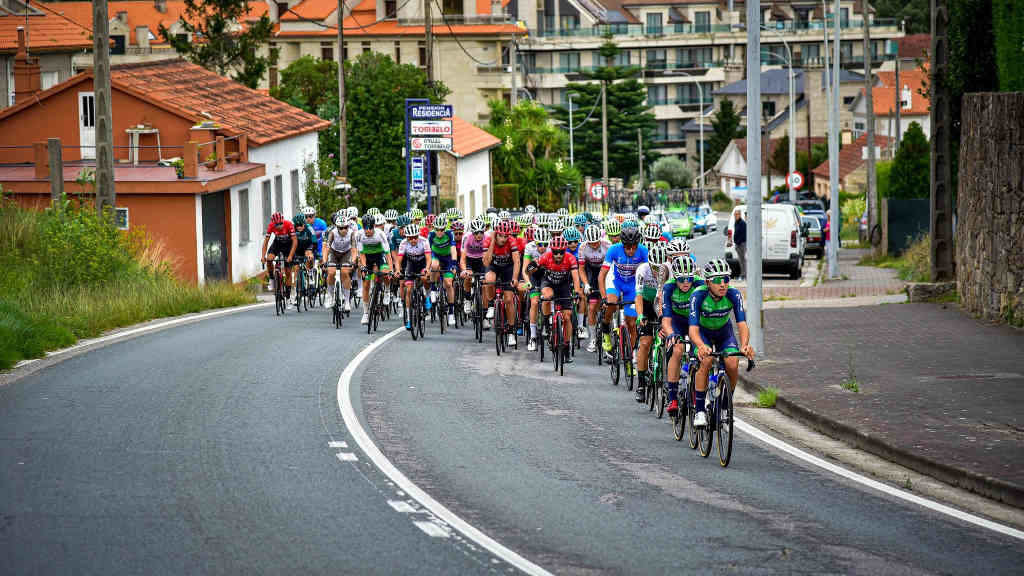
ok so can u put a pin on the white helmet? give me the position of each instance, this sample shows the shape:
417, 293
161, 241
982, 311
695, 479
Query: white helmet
411, 230
372, 211
593, 233
379, 220
542, 236
658, 254
477, 226
391, 215
353, 212
341, 221
530, 209
652, 232
683, 267
309, 211
504, 215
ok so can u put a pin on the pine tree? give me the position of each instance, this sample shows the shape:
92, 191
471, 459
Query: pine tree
910, 175
726, 128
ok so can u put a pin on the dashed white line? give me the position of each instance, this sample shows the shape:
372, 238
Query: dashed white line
433, 530
347, 457
402, 506
337, 444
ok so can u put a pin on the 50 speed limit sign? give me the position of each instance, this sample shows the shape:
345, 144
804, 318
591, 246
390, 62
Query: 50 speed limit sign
796, 180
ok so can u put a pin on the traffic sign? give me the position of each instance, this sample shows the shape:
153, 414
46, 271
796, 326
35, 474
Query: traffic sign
430, 111
431, 143
598, 190
430, 127
796, 180
418, 183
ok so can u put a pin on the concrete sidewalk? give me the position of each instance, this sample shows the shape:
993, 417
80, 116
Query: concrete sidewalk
936, 390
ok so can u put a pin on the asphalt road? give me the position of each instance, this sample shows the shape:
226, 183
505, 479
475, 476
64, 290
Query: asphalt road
207, 449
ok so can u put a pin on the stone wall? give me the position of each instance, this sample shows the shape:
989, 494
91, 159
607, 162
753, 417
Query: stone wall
990, 207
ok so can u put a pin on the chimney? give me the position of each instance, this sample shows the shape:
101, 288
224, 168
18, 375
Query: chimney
496, 9
122, 17
142, 36
905, 98
26, 71
160, 5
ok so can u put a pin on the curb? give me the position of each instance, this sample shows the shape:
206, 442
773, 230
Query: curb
987, 486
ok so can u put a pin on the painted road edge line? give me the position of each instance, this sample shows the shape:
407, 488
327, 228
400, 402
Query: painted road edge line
371, 451
142, 330
875, 484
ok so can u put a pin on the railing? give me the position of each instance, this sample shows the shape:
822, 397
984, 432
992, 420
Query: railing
684, 65
683, 101
669, 137
461, 19
685, 28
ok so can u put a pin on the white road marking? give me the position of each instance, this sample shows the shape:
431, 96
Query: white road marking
876, 485
402, 506
337, 444
431, 529
347, 457
143, 329
371, 451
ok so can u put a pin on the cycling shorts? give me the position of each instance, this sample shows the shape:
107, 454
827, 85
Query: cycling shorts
651, 316
721, 340
680, 326
376, 262
476, 265
414, 267
336, 259
626, 292
282, 250
447, 263
562, 293
503, 274
593, 275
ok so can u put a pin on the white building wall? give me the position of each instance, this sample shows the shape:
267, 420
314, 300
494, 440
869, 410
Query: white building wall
280, 158
473, 183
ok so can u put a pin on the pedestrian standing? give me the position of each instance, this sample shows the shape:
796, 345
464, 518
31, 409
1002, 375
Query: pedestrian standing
739, 238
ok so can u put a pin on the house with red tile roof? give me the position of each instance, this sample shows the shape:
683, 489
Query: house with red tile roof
852, 166
464, 172
50, 41
241, 157
888, 94
731, 167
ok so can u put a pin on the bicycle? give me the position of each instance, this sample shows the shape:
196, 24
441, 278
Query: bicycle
477, 313
376, 295
557, 332
499, 317
682, 417
718, 407
460, 298
656, 376
622, 347
301, 280
338, 310
277, 278
415, 314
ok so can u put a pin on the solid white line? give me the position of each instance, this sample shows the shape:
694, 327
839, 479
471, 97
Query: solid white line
143, 329
347, 457
876, 485
362, 439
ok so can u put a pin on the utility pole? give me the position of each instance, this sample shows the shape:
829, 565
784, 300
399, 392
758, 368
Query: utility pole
428, 28
572, 158
105, 194
942, 124
833, 152
753, 271
342, 121
513, 57
869, 103
640, 157
604, 136
899, 99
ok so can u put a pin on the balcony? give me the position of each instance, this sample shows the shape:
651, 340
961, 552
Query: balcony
662, 65
684, 101
667, 138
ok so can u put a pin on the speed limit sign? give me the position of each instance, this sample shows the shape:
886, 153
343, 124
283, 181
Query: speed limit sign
796, 180
597, 190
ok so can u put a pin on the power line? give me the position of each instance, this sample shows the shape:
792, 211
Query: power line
592, 108
457, 41
358, 26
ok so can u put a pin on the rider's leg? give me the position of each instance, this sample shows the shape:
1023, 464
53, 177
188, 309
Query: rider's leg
732, 369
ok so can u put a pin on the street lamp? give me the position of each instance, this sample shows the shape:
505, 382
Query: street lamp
792, 110
571, 156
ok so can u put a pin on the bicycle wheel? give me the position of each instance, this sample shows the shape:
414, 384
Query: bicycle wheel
691, 431
442, 306
723, 421
499, 327
706, 435
556, 340
650, 394
613, 362
679, 420
413, 313
422, 315
322, 287
542, 338
599, 334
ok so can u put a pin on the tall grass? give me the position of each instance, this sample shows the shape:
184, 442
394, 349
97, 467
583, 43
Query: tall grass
69, 274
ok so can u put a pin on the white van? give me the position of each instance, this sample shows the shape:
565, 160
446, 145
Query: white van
782, 239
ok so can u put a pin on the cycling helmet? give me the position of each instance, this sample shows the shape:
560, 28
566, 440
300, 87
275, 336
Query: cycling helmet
530, 209
353, 212
476, 226
556, 227
277, 218
571, 235
559, 243
458, 226
379, 219
504, 227
652, 233
657, 254
403, 221
440, 222
630, 236
563, 212
524, 219
372, 211
411, 230
504, 215
456, 214
580, 220
492, 219
415, 214
528, 233
592, 234
341, 221
298, 220
516, 229
629, 223
391, 215
369, 222
612, 228
679, 246
643, 211
542, 236
717, 268
683, 267
430, 220
309, 211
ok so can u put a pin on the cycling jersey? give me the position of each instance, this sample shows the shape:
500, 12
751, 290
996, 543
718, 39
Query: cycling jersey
377, 243
319, 228
338, 243
502, 255
283, 234
557, 272
472, 247
675, 304
649, 280
307, 241
441, 243
414, 256
593, 256
623, 266
395, 238
712, 314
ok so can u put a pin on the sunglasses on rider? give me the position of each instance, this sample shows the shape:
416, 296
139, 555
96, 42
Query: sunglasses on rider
720, 280
542, 244
478, 233
685, 279
310, 217
558, 252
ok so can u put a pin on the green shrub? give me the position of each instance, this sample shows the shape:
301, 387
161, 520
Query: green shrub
766, 398
662, 185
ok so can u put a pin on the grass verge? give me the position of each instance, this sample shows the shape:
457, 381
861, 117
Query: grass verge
766, 398
914, 265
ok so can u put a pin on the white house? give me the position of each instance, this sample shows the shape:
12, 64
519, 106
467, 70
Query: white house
464, 173
913, 105
732, 167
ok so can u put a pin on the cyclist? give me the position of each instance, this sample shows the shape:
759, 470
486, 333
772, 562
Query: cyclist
284, 245
340, 253
413, 256
650, 277
391, 217
374, 255
305, 244
395, 240
642, 212
572, 237
502, 261
675, 320
318, 226
559, 267
591, 257
442, 263
622, 259
580, 222
532, 277
353, 217
471, 258
710, 327
612, 230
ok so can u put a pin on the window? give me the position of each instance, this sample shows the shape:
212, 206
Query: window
506, 58
811, 53
243, 216
529, 61
847, 100
657, 94
858, 128
398, 52
366, 47
121, 218
344, 51
327, 51
689, 93
656, 59
702, 22
119, 44
268, 205
9, 63
279, 193
621, 59
451, 7
50, 79
282, 9
296, 193
768, 109
654, 23
662, 133
569, 21
422, 45
570, 61
390, 9
846, 51
844, 17
694, 57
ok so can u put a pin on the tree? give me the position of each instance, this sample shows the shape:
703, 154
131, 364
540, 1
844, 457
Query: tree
725, 128
1008, 18
309, 83
916, 13
672, 170
805, 164
221, 42
909, 176
778, 162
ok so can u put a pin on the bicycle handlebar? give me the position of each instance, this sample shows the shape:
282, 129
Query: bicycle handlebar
750, 363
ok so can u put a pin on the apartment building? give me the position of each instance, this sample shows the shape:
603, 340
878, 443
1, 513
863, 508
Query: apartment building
680, 44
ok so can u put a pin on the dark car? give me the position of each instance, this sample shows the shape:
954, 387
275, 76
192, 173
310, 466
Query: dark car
819, 214
814, 236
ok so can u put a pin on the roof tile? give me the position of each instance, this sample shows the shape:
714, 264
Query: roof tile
850, 157
468, 139
46, 33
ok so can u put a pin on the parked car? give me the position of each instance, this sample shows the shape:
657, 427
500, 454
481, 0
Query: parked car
819, 215
679, 224
815, 237
782, 239
705, 220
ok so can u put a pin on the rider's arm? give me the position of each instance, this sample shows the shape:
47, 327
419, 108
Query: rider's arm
576, 280
600, 281
516, 263
263, 252
462, 255
489, 252
741, 320
295, 244
323, 253
695, 303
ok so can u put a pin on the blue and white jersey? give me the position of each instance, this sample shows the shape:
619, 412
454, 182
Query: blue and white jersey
624, 267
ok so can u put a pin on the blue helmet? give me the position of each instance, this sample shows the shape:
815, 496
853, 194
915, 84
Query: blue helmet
402, 221
571, 235
580, 220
